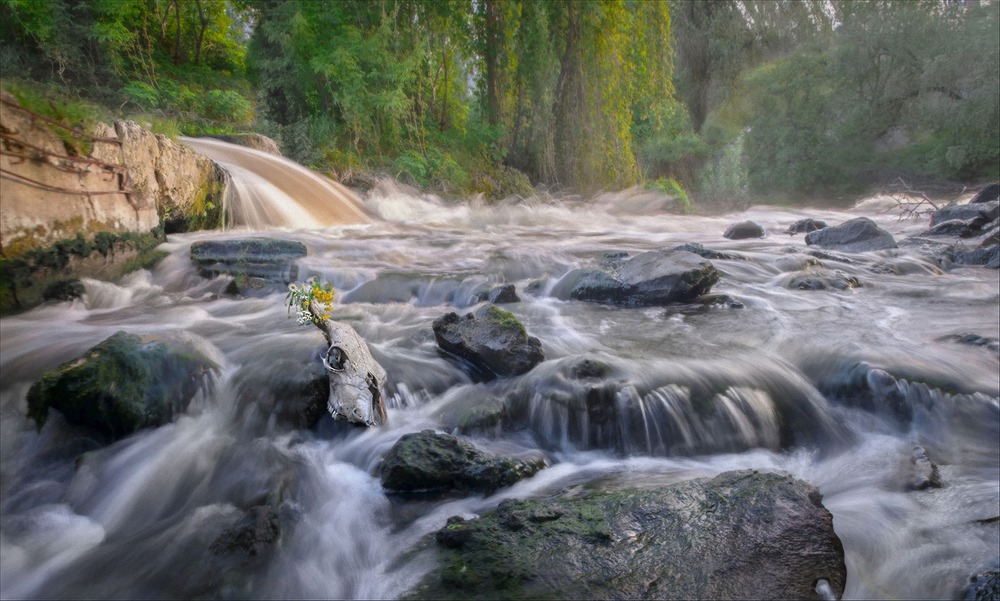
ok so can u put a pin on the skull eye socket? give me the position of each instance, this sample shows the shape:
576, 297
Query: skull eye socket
335, 359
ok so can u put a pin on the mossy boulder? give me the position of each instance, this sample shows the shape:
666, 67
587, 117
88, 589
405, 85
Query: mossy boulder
492, 340
740, 535
432, 462
124, 384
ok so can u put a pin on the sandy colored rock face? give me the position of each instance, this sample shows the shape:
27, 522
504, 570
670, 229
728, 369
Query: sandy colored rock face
118, 179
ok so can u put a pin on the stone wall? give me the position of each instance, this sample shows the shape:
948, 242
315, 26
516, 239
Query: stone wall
78, 203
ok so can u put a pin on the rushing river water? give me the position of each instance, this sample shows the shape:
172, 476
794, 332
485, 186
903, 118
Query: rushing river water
134, 520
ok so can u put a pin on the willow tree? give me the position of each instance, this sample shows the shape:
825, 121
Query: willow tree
569, 82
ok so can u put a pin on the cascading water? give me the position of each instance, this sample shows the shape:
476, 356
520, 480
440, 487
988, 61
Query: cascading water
270, 191
835, 386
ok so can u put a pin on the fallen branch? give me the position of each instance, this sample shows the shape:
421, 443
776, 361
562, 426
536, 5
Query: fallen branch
909, 202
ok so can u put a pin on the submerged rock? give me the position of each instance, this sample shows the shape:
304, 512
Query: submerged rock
498, 295
253, 262
503, 294
492, 340
603, 402
290, 393
822, 279
974, 340
923, 473
857, 235
654, 278
253, 534
742, 534
984, 586
708, 253
124, 384
804, 226
428, 461
744, 230
987, 256
64, 290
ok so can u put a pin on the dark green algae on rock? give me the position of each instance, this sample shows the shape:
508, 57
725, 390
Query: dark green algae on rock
430, 462
121, 385
743, 534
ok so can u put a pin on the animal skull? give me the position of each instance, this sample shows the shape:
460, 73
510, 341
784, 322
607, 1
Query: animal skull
356, 379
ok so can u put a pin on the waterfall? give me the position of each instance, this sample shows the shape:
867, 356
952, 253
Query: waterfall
271, 191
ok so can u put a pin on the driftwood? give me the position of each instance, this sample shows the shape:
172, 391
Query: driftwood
910, 203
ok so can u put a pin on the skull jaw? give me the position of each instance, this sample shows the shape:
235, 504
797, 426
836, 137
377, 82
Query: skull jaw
351, 403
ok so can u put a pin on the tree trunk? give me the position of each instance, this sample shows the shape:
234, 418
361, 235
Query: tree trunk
494, 35
177, 36
569, 98
201, 32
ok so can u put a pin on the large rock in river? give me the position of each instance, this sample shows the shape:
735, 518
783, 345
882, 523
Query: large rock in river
492, 340
857, 235
981, 213
987, 194
740, 535
654, 278
122, 385
428, 461
744, 230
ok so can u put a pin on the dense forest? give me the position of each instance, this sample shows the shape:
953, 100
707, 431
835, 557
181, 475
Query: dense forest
725, 100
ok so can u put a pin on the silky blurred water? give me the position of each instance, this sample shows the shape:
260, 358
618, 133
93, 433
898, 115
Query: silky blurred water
136, 519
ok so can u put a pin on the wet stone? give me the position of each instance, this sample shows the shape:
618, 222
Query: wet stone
666, 542
744, 230
804, 226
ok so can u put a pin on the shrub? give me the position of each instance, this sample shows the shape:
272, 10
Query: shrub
228, 106
141, 94
671, 187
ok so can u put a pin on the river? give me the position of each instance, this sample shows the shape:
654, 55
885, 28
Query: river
130, 520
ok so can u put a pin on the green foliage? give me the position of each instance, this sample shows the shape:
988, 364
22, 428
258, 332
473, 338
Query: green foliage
671, 187
61, 107
141, 94
673, 148
726, 177
891, 94
229, 107
184, 58
559, 86
434, 166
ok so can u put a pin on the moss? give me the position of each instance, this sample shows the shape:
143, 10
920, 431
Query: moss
25, 276
146, 260
205, 213
505, 319
56, 105
123, 384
